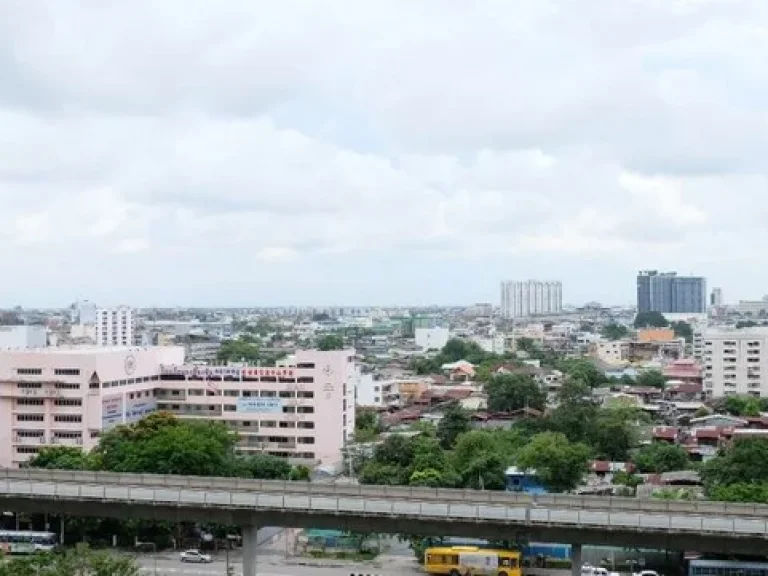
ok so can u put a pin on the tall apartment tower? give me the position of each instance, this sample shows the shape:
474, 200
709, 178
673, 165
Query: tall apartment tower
666, 292
114, 326
735, 362
716, 299
531, 298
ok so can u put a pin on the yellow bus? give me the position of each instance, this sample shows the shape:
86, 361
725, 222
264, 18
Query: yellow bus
471, 561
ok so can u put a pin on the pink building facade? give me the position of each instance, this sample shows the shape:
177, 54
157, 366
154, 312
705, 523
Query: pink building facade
304, 409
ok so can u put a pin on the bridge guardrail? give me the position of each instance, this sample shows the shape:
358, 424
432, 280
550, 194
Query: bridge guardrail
405, 509
401, 492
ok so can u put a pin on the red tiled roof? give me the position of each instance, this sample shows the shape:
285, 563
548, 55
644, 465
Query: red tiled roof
706, 433
665, 432
458, 393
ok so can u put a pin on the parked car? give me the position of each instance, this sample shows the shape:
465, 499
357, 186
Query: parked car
646, 573
195, 556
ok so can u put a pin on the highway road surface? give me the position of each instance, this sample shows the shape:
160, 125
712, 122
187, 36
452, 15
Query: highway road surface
164, 565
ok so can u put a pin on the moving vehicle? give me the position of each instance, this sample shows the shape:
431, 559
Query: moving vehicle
589, 570
196, 556
726, 568
26, 542
472, 561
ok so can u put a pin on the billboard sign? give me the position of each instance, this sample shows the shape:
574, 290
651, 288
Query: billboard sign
111, 411
260, 405
138, 408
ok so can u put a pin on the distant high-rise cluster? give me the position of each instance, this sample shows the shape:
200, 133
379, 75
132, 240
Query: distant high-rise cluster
668, 293
531, 298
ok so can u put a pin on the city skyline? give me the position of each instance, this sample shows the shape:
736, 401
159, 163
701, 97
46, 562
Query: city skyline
384, 152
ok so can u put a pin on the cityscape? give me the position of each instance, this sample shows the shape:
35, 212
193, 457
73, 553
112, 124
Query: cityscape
383, 288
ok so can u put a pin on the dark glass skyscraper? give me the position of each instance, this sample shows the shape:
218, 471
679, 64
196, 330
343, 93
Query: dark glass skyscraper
668, 293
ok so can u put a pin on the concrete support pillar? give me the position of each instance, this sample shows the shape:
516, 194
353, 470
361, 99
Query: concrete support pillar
250, 543
575, 559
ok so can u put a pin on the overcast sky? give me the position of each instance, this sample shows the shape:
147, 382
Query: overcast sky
246, 152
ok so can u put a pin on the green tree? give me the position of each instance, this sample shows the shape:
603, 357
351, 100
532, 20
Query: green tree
614, 331
682, 330
613, 434
575, 411
80, 561
651, 320
163, 444
60, 458
509, 392
740, 492
525, 345
661, 457
651, 379
744, 461
742, 406
241, 350
455, 421
330, 342
367, 426
560, 464
265, 467
746, 324
583, 370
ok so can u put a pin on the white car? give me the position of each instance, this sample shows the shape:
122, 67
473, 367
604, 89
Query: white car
646, 573
195, 556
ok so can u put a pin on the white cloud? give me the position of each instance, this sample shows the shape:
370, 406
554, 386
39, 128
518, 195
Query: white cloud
372, 142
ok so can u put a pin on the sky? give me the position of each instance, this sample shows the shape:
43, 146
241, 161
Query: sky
254, 153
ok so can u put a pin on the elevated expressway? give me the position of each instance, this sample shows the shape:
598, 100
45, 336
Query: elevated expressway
639, 523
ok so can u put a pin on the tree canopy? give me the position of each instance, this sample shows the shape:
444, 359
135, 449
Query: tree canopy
682, 330
614, 331
455, 421
650, 320
651, 379
661, 457
509, 392
559, 463
80, 561
330, 342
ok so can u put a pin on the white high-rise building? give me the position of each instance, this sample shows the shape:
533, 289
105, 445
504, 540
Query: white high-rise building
531, 298
735, 361
114, 326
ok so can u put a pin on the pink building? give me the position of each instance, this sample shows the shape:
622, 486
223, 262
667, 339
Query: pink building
304, 409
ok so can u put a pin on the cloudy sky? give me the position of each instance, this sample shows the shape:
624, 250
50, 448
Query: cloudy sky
247, 152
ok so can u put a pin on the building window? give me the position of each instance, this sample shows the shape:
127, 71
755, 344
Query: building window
27, 449
29, 417
29, 371
268, 424
289, 410
229, 408
286, 394
234, 393
29, 402
69, 402
62, 386
66, 372
306, 425
68, 418
305, 380
287, 424
305, 365
30, 385
303, 394
268, 394
306, 440
306, 410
